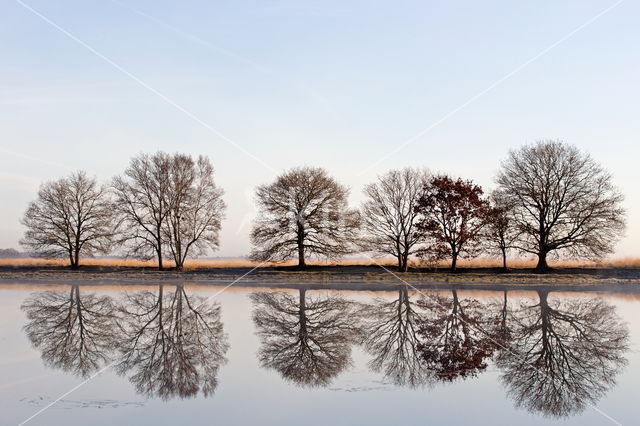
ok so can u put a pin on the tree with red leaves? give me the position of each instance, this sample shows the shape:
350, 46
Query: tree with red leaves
453, 214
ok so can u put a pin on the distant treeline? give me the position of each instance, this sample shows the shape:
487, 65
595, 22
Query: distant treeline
11, 254
551, 199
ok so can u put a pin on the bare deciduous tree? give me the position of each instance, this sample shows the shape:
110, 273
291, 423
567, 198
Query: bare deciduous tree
72, 216
142, 204
168, 203
389, 214
303, 212
196, 208
453, 216
501, 233
564, 201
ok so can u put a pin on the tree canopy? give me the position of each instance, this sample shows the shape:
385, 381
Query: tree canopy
563, 201
303, 212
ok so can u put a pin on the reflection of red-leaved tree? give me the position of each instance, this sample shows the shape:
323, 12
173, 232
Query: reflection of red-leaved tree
453, 343
453, 213
74, 332
563, 354
305, 339
173, 344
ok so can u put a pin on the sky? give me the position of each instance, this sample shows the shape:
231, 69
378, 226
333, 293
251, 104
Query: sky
356, 87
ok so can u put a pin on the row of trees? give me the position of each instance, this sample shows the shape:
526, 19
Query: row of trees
555, 355
162, 205
551, 198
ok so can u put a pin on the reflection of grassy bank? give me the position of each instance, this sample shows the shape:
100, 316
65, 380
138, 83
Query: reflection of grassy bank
340, 277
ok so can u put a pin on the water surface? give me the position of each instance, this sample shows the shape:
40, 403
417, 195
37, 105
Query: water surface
191, 355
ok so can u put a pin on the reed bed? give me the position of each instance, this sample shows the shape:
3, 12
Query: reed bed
517, 263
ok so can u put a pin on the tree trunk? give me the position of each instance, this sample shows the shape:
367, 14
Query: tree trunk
302, 313
179, 260
504, 259
74, 256
301, 262
454, 263
159, 259
404, 266
542, 265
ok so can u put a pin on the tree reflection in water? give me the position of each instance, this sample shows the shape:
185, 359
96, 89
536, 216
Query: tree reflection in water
390, 336
173, 344
500, 320
305, 339
556, 356
453, 343
563, 354
73, 331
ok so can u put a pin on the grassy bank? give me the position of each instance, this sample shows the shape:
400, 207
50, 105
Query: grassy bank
346, 274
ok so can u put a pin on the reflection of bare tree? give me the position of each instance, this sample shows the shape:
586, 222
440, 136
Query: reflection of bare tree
563, 355
500, 321
390, 336
173, 344
307, 340
453, 343
73, 333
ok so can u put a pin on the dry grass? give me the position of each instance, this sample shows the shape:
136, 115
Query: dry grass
627, 262
520, 263
129, 263
189, 264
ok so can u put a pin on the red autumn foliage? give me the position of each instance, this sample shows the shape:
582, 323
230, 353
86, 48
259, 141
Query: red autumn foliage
453, 214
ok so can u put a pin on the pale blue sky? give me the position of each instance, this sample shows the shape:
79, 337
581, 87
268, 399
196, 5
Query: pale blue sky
337, 84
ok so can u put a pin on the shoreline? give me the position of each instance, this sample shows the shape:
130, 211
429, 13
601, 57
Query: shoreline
361, 277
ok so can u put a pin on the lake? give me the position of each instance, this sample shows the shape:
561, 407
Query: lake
196, 355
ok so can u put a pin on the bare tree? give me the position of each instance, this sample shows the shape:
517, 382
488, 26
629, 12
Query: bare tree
196, 208
389, 214
72, 216
303, 212
142, 204
564, 201
501, 233
168, 203
453, 214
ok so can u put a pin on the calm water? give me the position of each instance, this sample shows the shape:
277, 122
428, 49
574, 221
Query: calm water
184, 355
